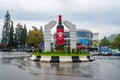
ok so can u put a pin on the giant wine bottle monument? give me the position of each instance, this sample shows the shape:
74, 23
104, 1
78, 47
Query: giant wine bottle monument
59, 40
60, 35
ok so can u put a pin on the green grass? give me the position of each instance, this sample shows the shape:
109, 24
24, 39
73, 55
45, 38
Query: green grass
60, 54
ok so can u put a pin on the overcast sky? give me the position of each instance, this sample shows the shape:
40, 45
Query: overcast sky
101, 16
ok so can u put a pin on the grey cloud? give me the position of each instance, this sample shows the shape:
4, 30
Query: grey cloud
104, 12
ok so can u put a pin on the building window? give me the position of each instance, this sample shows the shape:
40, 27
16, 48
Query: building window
66, 35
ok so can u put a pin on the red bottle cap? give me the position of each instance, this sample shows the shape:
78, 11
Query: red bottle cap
59, 18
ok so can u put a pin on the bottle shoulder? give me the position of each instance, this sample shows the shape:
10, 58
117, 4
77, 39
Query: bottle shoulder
60, 26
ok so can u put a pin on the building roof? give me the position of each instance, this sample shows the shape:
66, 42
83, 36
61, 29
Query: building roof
86, 30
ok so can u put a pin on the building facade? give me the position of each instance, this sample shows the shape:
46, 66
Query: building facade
83, 38
95, 41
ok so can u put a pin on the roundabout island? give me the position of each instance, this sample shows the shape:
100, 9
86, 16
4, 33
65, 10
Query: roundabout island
62, 58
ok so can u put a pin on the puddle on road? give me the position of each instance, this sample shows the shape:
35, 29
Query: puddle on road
89, 70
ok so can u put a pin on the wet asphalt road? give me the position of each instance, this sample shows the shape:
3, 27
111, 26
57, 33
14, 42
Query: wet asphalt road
16, 68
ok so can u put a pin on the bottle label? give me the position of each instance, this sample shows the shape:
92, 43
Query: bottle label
60, 36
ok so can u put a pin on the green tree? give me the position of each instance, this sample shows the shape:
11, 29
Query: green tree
116, 42
41, 29
24, 35
20, 35
11, 34
6, 29
15, 41
104, 42
35, 37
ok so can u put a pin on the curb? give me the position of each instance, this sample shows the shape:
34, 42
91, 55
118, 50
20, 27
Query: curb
60, 59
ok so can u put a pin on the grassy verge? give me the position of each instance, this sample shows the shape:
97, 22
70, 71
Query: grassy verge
60, 54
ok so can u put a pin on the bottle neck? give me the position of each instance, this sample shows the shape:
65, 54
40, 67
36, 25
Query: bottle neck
60, 19
60, 22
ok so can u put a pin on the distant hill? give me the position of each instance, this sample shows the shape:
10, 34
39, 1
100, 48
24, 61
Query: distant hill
111, 37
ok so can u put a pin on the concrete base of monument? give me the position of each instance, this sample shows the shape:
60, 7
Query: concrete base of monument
60, 59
